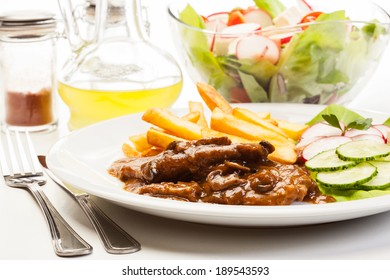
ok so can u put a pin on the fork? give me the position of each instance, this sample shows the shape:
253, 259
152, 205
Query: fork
21, 169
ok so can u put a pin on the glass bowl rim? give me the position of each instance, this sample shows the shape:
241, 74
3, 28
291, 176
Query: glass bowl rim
282, 28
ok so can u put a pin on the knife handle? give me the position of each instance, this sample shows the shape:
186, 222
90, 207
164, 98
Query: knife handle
115, 240
66, 242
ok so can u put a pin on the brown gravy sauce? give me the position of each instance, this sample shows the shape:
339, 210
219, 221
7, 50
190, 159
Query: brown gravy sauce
271, 184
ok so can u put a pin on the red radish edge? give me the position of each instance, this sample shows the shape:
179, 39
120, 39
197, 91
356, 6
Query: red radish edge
258, 47
373, 137
258, 16
320, 129
216, 29
307, 5
218, 16
384, 129
323, 144
371, 130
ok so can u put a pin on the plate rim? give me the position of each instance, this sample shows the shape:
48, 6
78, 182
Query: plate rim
231, 215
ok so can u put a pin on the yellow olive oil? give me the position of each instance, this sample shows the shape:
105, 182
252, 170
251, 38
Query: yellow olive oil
88, 106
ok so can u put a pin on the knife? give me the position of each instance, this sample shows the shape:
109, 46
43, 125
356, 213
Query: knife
114, 239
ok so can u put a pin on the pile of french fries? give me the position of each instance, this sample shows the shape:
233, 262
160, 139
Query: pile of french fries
240, 125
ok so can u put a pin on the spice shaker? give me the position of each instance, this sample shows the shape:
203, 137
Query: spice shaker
28, 65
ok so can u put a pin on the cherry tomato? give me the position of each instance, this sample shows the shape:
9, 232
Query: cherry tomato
235, 17
310, 17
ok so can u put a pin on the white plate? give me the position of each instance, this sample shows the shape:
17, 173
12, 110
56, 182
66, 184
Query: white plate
82, 158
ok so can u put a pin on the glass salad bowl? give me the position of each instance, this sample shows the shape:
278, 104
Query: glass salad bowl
297, 51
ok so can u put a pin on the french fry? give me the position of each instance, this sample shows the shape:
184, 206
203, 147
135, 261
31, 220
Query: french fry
140, 142
198, 107
160, 138
252, 117
284, 154
284, 149
164, 119
213, 98
130, 151
264, 115
267, 116
192, 117
232, 125
293, 130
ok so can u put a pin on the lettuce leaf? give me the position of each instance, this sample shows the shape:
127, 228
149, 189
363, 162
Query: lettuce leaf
191, 17
348, 195
273, 7
199, 54
387, 122
343, 114
254, 90
310, 64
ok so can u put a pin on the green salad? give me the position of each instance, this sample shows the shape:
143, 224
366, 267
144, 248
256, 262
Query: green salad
347, 155
285, 58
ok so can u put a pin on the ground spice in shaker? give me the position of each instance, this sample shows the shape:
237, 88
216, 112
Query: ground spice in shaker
29, 108
28, 49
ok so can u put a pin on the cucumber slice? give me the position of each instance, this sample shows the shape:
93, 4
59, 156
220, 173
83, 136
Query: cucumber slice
328, 161
349, 178
363, 150
386, 158
382, 179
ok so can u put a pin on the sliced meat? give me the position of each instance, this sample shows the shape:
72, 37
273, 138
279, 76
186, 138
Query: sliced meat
218, 171
184, 160
171, 166
188, 191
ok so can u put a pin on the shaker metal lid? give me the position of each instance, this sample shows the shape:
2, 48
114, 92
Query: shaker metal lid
27, 24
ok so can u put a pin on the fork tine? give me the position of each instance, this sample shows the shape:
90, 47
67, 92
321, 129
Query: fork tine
3, 161
22, 153
12, 155
36, 166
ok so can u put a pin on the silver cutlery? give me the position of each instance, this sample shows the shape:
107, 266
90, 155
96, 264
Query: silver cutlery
114, 239
20, 169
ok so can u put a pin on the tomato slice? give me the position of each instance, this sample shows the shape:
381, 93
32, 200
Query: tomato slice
310, 17
235, 17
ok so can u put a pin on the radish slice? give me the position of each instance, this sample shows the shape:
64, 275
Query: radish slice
306, 141
304, 6
384, 129
258, 47
221, 17
321, 129
215, 25
258, 16
284, 38
323, 144
373, 137
241, 28
233, 46
216, 22
220, 42
371, 130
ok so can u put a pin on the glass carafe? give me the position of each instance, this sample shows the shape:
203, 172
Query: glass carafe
114, 69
